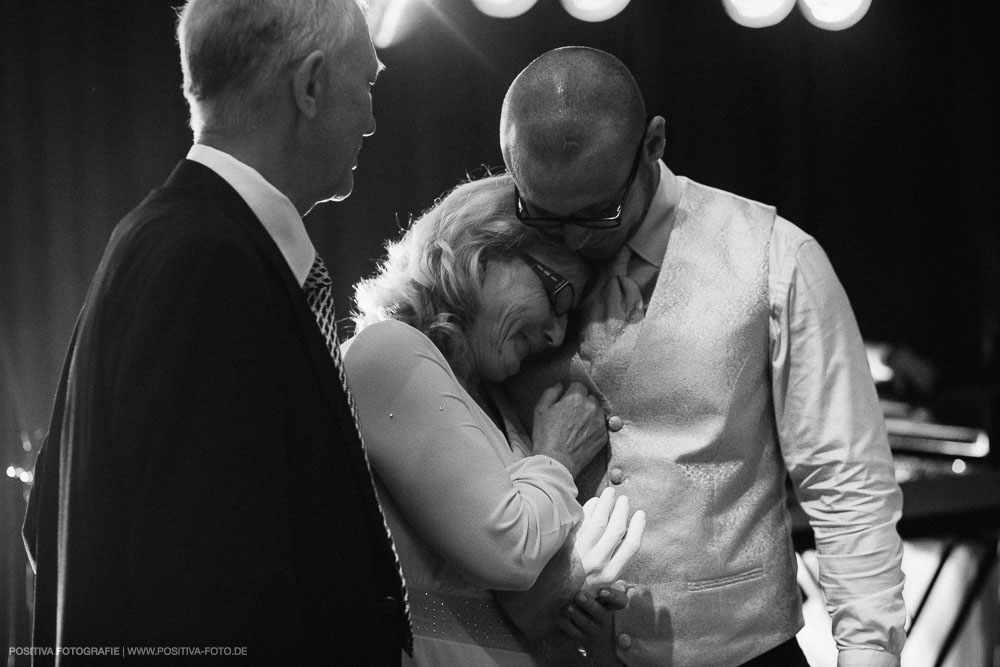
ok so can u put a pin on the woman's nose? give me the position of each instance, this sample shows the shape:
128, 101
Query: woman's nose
556, 331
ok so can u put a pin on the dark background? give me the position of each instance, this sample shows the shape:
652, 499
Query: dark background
881, 141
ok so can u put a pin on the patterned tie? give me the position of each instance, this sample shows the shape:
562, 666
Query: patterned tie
607, 339
319, 294
617, 302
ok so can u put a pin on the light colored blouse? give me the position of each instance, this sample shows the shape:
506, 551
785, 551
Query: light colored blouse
468, 513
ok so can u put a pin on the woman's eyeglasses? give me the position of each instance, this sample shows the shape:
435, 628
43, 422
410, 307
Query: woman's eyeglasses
558, 289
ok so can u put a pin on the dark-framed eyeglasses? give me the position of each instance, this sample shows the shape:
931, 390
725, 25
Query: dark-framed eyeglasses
559, 290
604, 222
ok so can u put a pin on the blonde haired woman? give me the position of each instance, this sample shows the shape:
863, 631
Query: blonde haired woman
474, 502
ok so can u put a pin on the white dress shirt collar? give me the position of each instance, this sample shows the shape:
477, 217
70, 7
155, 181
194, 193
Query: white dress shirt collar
650, 240
274, 210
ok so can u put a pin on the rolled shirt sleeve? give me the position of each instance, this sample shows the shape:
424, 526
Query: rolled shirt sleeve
834, 444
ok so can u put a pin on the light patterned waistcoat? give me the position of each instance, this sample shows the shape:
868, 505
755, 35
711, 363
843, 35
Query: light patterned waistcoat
714, 581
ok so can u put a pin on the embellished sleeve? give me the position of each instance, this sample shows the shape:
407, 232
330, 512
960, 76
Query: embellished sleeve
496, 518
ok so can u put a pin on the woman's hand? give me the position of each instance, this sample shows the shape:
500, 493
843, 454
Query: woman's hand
607, 539
569, 426
605, 542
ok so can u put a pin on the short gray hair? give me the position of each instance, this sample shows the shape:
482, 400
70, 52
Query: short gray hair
431, 277
233, 50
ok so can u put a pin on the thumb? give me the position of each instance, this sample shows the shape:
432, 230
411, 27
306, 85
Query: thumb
549, 397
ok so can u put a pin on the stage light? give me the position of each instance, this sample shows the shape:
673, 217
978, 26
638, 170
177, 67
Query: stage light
593, 10
26, 476
758, 13
878, 354
834, 14
503, 9
388, 21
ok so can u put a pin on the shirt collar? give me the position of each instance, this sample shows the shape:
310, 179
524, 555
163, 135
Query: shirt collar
650, 240
274, 210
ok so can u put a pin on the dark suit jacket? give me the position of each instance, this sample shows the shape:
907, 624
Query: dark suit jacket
202, 484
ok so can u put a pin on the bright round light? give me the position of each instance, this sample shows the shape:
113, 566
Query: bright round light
390, 21
834, 14
503, 9
758, 13
593, 10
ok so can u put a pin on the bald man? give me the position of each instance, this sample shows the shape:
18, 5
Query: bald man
727, 356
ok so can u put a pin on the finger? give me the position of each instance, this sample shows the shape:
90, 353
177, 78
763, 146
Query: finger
579, 614
596, 518
595, 523
605, 504
629, 546
569, 622
596, 413
549, 397
595, 610
586, 401
615, 530
612, 598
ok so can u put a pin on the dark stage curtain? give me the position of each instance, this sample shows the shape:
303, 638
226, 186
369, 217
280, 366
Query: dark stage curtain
880, 140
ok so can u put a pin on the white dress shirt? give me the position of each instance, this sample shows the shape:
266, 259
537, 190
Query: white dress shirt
274, 210
829, 428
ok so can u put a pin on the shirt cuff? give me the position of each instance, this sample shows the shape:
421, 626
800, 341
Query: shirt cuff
866, 658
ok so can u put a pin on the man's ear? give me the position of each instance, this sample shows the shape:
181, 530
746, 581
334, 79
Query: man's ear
655, 141
308, 82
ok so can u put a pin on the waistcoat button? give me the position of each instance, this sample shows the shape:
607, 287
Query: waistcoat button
617, 475
624, 641
615, 423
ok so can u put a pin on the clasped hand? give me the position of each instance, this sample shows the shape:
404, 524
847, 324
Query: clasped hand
605, 542
607, 539
569, 426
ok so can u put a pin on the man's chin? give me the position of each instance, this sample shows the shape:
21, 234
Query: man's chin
345, 189
341, 193
341, 197
334, 198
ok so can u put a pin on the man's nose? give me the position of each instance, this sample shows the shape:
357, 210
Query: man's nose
555, 333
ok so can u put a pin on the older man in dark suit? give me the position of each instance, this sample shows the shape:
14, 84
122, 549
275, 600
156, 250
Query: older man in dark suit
203, 489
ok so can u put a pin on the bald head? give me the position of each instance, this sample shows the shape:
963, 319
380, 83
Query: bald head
571, 109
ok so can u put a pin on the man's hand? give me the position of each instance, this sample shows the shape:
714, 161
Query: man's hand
587, 617
587, 634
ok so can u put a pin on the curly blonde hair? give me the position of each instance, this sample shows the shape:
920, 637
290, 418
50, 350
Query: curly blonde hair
431, 277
